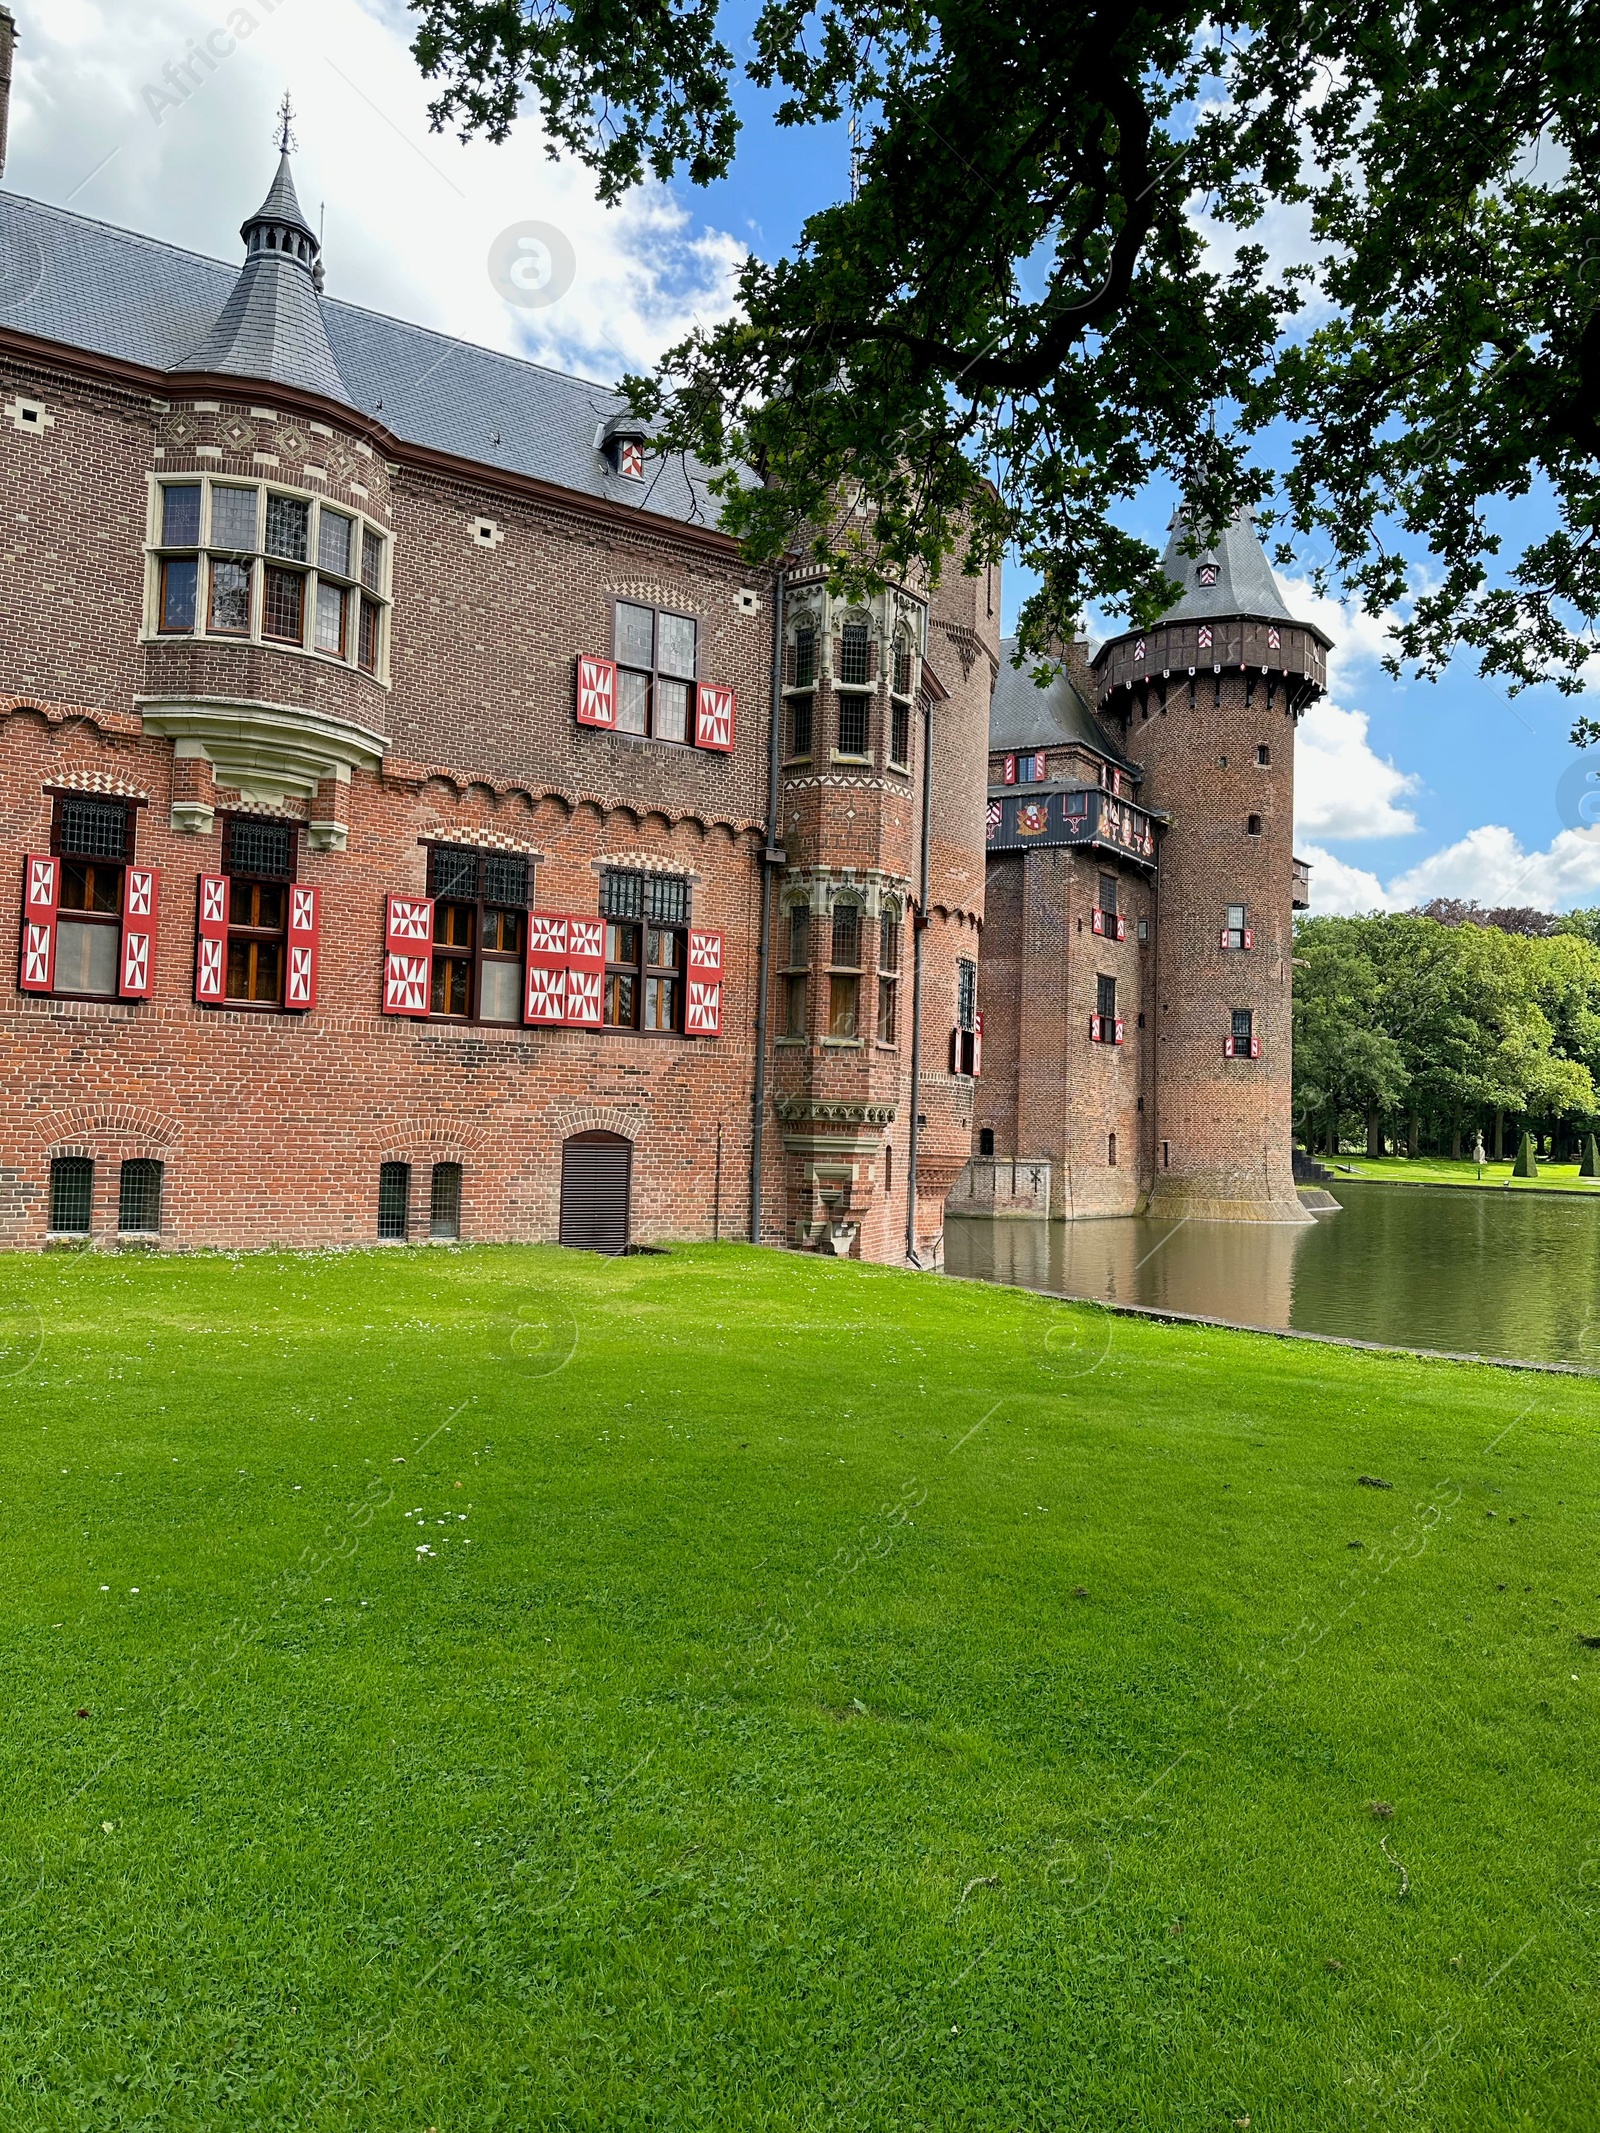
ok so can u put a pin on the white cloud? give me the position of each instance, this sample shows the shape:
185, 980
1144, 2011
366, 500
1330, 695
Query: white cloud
1341, 787
1489, 866
1338, 890
410, 215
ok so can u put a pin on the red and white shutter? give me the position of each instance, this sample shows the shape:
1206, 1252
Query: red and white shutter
1097, 921
977, 1047
1228, 1048
41, 894
1255, 1047
703, 1017
407, 955
300, 991
1223, 938
597, 691
713, 716
211, 941
1116, 1030
141, 900
586, 971
1122, 927
546, 997
1011, 770
1249, 937
1038, 769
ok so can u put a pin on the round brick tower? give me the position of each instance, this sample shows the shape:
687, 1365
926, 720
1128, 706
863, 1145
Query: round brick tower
1206, 702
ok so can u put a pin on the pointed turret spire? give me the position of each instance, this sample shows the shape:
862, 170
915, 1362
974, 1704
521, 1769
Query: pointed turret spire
272, 327
1230, 576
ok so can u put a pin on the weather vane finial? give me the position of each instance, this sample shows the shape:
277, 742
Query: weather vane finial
286, 140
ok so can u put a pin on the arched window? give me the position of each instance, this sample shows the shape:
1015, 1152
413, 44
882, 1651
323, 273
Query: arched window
844, 976
797, 970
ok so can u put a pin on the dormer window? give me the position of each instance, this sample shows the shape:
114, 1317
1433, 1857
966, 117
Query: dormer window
624, 451
1208, 573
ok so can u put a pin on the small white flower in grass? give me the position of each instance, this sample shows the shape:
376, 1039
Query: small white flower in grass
105, 1588
108, 1827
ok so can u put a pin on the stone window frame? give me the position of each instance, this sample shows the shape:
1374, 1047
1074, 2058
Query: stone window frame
794, 972
859, 623
362, 593
903, 678
891, 932
843, 975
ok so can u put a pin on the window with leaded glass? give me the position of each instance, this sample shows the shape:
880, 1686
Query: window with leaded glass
258, 856
480, 920
1244, 1026
1108, 895
1105, 998
800, 698
647, 943
844, 975
853, 724
889, 975
242, 559
139, 1198
966, 993
797, 970
394, 1201
71, 1195
94, 842
656, 653
444, 1202
855, 656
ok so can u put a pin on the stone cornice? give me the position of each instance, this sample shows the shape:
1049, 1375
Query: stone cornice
829, 1111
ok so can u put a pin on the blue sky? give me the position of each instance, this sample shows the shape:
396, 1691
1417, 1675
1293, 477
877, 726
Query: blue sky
1405, 790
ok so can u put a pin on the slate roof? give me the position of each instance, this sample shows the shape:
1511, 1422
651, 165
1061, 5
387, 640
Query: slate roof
272, 327
89, 285
1244, 581
1023, 716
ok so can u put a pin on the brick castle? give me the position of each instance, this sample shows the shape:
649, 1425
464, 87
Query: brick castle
417, 820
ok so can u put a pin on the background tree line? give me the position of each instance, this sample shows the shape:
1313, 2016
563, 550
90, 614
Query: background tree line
1417, 1030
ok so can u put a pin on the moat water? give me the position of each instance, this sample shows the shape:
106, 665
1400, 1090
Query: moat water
1471, 1273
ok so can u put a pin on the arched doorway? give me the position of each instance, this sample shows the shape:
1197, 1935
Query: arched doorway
596, 1177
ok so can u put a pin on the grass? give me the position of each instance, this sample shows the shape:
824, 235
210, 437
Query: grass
1440, 1170
830, 1698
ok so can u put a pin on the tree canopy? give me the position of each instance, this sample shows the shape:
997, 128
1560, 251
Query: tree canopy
1051, 284
1401, 1018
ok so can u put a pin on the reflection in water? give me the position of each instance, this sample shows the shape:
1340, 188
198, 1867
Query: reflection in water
1475, 1272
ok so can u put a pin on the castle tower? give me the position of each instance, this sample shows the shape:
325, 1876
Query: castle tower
884, 713
1206, 702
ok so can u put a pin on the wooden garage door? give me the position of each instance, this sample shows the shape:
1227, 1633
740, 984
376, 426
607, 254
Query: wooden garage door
596, 1171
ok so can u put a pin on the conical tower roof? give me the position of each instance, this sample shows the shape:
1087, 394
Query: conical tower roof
1229, 577
272, 327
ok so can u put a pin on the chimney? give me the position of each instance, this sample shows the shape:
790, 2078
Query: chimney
8, 41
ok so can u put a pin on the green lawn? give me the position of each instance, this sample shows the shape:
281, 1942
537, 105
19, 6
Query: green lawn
504, 1688
1440, 1170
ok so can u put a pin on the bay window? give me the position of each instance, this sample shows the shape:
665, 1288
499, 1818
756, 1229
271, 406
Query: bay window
251, 560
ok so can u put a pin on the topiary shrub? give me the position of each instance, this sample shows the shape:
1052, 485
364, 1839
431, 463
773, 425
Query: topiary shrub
1589, 1167
1527, 1162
